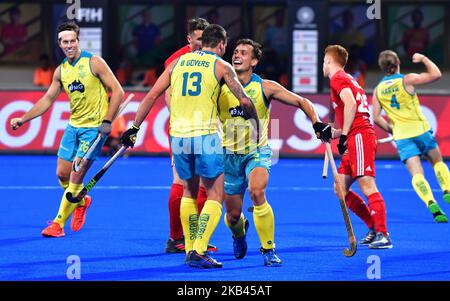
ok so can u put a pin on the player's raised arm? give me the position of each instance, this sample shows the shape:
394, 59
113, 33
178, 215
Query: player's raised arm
433, 73
377, 118
43, 104
102, 70
275, 91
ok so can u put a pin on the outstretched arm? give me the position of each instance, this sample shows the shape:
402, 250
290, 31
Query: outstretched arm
377, 118
274, 90
413, 79
43, 104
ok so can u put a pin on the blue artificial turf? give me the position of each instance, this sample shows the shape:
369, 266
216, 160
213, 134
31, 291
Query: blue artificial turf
127, 227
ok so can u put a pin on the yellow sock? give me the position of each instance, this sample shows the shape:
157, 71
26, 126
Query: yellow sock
66, 208
189, 221
422, 189
64, 185
265, 224
237, 229
207, 223
442, 175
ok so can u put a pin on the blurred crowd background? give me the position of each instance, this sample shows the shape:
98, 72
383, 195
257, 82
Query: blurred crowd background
137, 36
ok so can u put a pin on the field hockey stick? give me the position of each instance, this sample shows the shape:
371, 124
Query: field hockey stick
385, 140
325, 166
77, 165
95, 179
341, 196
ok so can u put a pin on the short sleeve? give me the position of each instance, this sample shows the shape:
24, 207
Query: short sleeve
340, 83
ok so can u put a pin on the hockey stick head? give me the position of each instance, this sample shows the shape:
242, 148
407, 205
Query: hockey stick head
73, 199
353, 247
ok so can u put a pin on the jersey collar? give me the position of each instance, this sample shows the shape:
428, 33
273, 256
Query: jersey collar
209, 52
393, 76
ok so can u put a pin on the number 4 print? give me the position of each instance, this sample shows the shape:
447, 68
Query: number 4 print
394, 102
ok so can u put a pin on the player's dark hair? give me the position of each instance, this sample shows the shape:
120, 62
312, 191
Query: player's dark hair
388, 61
257, 48
213, 35
339, 54
70, 26
196, 24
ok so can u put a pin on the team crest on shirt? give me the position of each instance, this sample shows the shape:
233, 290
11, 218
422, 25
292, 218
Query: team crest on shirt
76, 85
81, 72
251, 93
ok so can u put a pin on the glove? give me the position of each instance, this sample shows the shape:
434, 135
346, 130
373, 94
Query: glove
342, 145
129, 136
323, 131
105, 128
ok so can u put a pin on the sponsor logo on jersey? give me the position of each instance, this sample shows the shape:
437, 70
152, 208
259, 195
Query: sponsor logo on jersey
76, 86
236, 111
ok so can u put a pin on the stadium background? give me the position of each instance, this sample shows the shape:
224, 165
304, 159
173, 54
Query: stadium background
270, 22
127, 226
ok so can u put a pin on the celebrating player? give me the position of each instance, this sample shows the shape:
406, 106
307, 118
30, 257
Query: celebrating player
197, 151
357, 145
84, 78
175, 243
412, 133
247, 163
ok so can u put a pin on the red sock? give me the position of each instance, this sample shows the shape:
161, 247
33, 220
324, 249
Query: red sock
201, 198
378, 212
356, 204
176, 229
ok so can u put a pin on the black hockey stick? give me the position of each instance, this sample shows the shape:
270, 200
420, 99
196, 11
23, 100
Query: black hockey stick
95, 179
77, 164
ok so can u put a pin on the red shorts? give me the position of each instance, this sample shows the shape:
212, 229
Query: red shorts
359, 159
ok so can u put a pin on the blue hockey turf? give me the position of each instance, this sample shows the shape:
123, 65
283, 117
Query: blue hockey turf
127, 227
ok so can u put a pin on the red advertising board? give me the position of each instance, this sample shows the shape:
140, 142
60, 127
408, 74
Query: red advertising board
290, 130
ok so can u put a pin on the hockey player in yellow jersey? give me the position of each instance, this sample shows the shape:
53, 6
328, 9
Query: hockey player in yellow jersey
85, 78
247, 162
396, 95
197, 151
